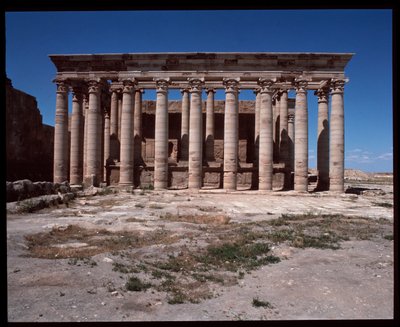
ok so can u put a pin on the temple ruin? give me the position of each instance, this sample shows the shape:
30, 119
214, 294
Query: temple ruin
29, 142
119, 139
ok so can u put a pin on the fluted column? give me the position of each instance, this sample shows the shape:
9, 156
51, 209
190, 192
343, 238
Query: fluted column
323, 140
61, 134
266, 138
137, 127
76, 153
126, 166
301, 138
254, 179
161, 136
93, 155
209, 141
291, 136
106, 144
336, 162
195, 135
184, 152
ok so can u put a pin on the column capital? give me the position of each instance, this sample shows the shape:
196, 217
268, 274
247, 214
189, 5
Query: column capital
185, 90
290, 118
116, 86
337, 85
231, 84
196, 84
129, 85
141, 90
62, 87
322, 94
162, 84
257, 90
265, 85
94, 86
210, 89
301, 85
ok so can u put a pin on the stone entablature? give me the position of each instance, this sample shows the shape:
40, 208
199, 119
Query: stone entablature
107, 92
316, 68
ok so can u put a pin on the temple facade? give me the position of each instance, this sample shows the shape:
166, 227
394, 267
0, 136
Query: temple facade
115, 137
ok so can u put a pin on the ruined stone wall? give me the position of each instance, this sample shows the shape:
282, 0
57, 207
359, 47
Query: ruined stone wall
29, 143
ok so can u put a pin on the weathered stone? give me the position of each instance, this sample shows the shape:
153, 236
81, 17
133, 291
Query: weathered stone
29, 142
163, 140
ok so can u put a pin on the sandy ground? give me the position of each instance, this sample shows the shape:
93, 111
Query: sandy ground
76, 280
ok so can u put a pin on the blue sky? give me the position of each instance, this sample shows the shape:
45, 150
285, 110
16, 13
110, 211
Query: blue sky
32, 36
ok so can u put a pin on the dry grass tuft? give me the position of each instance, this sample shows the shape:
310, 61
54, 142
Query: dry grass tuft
219, 219
60, 243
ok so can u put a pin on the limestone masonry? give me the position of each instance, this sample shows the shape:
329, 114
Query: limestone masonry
29, 143
117, 138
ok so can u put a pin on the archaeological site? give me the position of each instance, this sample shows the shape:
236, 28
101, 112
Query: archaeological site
119, 139
200, 208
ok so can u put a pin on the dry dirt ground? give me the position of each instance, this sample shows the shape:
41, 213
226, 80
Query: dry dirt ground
162, 256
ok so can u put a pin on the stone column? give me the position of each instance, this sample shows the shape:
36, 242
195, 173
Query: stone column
106, 144
195, 136
276, 125
114, 113
283, 127
115, 132
93, 155
161, 136
266, 137
184, 153
323, 140
137, 127
291, 136
209, 141
126, 166
119, 115
86, 113
336, 163
61, 134
301, 138
254, 179
284, 142
76, 163
231, 133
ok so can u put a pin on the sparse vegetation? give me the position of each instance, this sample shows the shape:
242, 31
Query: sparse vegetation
258, 303
106, 191
223, 252
155, 206
199, 219
136, 285
79, 261
47, 244
383, 204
